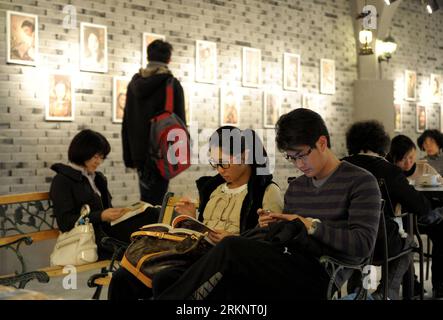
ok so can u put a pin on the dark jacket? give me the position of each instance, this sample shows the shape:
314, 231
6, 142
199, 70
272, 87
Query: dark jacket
70, 190
253, 200
145, 98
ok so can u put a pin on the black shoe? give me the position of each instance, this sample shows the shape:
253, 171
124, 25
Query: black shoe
417, 285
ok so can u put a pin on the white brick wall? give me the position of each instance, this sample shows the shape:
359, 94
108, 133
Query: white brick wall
314, 29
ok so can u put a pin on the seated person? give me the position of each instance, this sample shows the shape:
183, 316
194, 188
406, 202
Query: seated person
228, 201
78, 183
367, 143
335, 202
402, 154
431, 141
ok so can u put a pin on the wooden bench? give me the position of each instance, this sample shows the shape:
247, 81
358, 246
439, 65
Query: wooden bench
28, 218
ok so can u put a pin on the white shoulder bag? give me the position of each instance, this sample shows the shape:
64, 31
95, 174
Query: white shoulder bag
77, 246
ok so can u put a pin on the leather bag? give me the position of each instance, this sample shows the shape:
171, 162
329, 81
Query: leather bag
77, 246
156, 248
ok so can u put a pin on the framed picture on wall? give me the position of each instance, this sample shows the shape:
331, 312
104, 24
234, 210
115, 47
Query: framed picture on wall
441, 118
119, 89
188, 92
146, 41
229, 106
21, 38
398, 120
410, 85
436, 87
251, 63
205, 61
93, 47
60, 104
327, 76
291, 71
422, 120
271, 108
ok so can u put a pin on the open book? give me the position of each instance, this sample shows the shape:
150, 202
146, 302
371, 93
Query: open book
186, 225
132, 210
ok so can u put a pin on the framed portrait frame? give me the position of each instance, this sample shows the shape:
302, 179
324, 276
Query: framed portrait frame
119, 89
398, 117
410, 85
327, 76
441, 118
271, 108
60, 102
93, 47
229, 106
188, 91
436, 87
421, 117
291, 71
147, 38
251, 67
22, 38
205, 61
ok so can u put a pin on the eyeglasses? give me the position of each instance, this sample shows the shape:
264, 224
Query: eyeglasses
221, 164
300, 156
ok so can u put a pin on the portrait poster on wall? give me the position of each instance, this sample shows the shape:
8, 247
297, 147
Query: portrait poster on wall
93, 47
229, 106
60, 104
146, 41
436, 88
421, 124
119, 89
205, 61
398, 117
327, 76
21, 38
410, 85
291, 71
251, 67
271, 108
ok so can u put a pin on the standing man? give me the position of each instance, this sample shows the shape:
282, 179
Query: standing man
146, 98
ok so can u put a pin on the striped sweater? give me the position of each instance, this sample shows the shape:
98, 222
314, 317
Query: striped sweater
348, 205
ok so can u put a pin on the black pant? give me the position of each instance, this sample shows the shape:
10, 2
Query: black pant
435, 232
153, 186
239, 268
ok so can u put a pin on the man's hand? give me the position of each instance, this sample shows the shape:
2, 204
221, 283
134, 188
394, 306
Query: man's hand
289, 217
112, 214
185, 206
217, 235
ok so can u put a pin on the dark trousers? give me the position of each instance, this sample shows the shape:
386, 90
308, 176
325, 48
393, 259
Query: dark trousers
239, 268
153, 186
435, 232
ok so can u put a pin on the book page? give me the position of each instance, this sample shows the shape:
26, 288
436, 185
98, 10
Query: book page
132, 210
187, 222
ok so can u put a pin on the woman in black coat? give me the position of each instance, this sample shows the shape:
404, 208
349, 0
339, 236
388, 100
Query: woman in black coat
78, 183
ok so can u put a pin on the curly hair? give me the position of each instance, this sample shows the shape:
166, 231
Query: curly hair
434, 134
367, 136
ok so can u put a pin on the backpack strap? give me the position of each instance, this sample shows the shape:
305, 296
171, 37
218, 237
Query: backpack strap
169, 101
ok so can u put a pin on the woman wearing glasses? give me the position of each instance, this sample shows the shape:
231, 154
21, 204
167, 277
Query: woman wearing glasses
228, 201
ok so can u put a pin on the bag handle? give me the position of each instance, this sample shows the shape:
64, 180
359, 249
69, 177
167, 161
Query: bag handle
84, 212
169, 101
160, 235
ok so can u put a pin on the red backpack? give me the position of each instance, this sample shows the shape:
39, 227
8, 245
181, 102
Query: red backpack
170, 143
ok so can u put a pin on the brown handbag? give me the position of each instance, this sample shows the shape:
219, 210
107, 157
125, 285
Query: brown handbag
155, 248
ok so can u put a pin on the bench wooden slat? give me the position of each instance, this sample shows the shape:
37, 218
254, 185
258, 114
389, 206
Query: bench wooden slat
105, 281
24, 197
57, 271
36, 236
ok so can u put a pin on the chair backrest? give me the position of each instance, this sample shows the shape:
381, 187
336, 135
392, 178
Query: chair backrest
167, 213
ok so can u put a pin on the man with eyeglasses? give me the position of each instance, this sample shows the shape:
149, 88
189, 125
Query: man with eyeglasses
338, 207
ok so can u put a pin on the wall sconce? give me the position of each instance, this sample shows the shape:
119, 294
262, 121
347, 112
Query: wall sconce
432, 6
389, 2
386, 48
365, 38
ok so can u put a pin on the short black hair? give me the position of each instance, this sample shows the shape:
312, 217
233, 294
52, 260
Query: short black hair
300, 127
433, 134
400, 146
29, 24
234, 142
86, 144
159, 50
367, 136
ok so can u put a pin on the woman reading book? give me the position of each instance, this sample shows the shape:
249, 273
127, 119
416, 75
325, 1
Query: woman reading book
228, 202
78, 183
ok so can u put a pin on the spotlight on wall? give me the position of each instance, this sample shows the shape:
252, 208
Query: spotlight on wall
365, 38
389, 2
432, 6
386, 48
